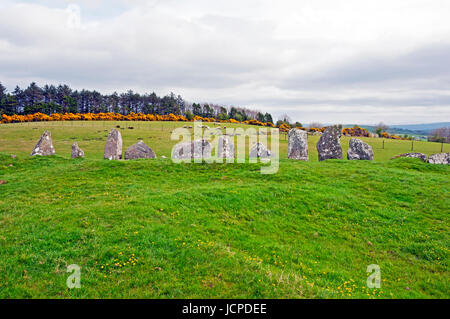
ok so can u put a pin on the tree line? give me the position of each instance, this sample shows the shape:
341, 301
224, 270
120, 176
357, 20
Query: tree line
63, 99
441, 135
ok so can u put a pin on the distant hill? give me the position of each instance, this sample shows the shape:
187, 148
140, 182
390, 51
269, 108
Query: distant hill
410, 129
421, 127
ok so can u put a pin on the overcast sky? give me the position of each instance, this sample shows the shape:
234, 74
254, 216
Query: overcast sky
349, 61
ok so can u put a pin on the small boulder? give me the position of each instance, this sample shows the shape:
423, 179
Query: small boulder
423, 157
2, 181
441, 158
139, 150
113, 147
259, 150
298, 144
195, 149
77, 151
225, 148
329, 145
45, 146
358, 150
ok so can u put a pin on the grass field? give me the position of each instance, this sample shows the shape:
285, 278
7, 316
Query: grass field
154, 229
91, 137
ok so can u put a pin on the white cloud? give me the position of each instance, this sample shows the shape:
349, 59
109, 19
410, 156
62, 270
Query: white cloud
331, 61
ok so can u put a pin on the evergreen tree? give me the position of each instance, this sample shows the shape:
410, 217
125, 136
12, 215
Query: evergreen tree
197, 109
20, 100
2, 99
268, 118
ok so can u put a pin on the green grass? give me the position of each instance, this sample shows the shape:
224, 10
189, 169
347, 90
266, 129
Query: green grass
219, 230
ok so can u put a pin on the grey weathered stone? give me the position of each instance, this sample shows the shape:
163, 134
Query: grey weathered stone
139, 150
298, 144
329, 145
77, 151
189, 150
441, 158
358, 150
113, 146
163, 157
423, 157
259, 150
45, 145
225, 148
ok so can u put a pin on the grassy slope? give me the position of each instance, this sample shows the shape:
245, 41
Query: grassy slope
197, 230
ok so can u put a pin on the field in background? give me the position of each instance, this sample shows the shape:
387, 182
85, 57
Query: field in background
154, 229
20, 138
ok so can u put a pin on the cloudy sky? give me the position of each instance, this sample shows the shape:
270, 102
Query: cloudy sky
348, 61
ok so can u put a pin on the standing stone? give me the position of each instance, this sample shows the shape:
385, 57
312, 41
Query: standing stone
182, 151
201, 149
45, 146
329, 145
423, 157
139, 150
76, 151
358, 150
259, 150
225, 148
113, 147
195, 149
441, 158
298, 144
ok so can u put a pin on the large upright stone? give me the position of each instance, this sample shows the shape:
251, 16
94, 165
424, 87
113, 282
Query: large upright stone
77, 151
139, 150
358, 150
441, 158
45, 145
298, 144
259, 150
113, 147
422, 156
225, 148
189, 150
329, 145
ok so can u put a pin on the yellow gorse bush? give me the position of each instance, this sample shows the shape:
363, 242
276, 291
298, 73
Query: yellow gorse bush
40, 117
